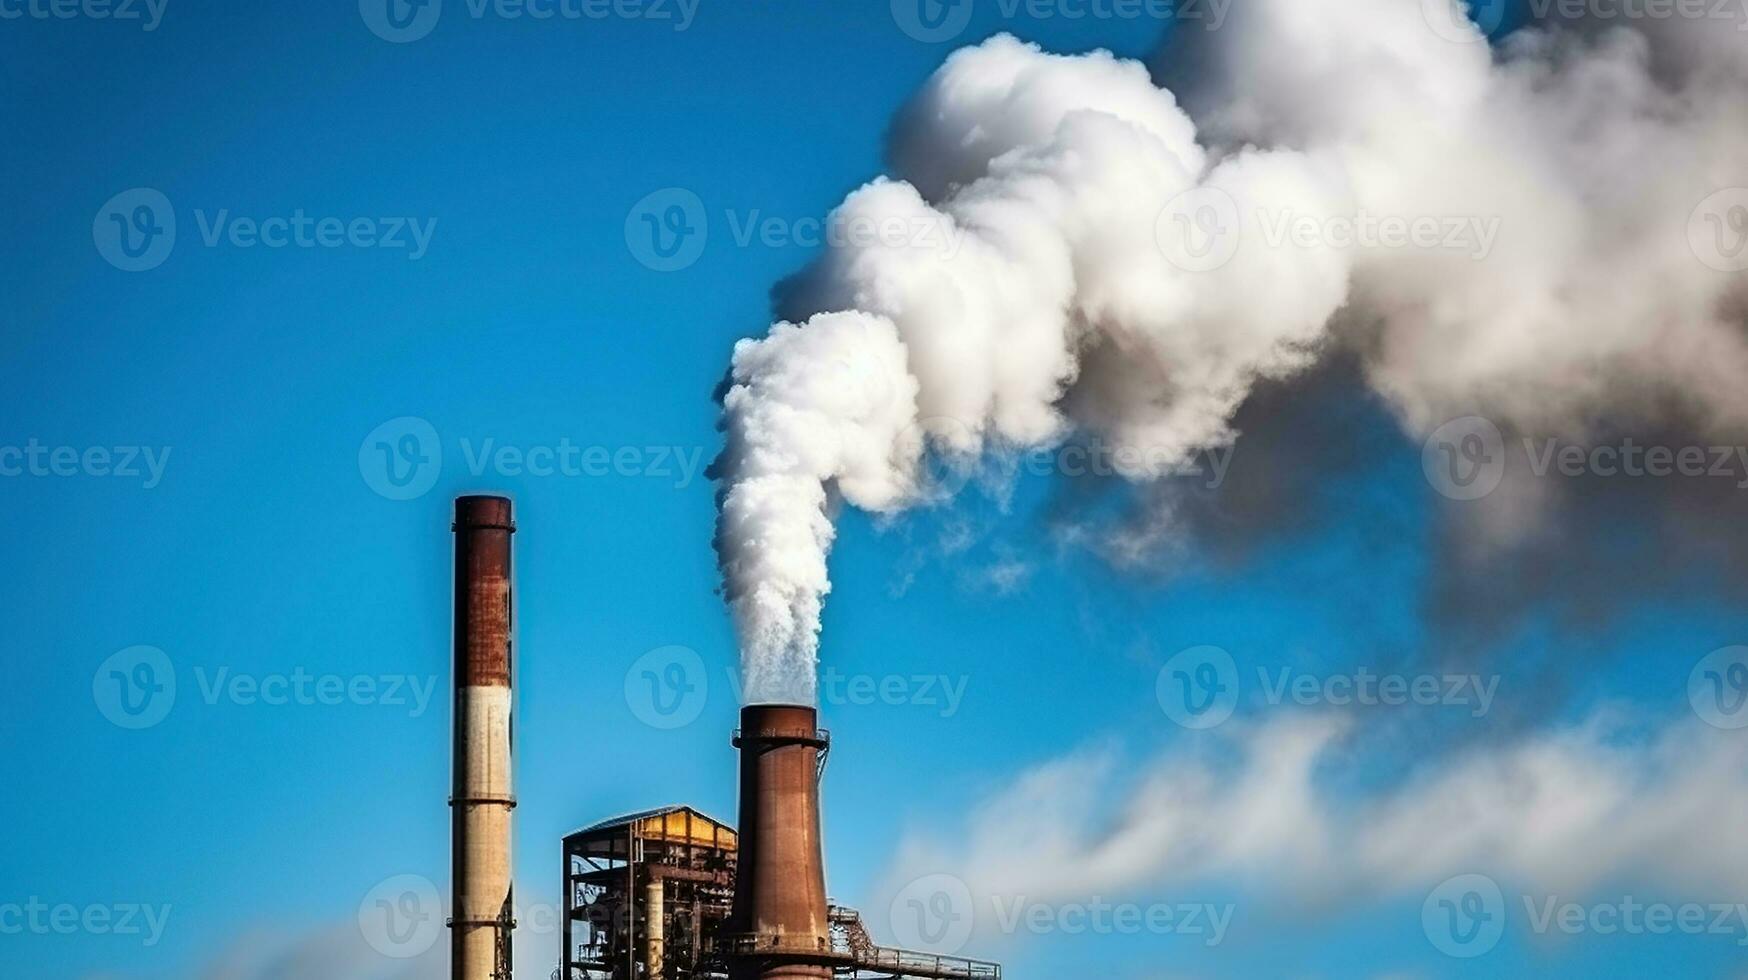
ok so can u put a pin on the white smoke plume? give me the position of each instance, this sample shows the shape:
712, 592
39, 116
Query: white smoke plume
1563, 810
1042, 263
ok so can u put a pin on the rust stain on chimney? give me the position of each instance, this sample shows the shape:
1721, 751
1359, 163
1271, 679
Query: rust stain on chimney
778, 925
483, 526
483, 796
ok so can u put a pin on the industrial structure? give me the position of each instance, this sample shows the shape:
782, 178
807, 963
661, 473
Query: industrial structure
646, 893
674, 894
665, 894
482, 799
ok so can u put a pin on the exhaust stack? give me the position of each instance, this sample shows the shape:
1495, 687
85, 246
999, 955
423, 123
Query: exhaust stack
778, 928
482, 798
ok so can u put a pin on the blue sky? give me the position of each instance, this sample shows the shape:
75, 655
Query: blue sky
264, 549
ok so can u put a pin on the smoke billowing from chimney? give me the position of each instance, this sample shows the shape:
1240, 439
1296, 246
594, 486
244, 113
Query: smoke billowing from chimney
1026, 274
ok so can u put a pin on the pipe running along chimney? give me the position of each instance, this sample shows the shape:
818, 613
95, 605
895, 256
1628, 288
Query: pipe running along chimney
777, 927
482, 798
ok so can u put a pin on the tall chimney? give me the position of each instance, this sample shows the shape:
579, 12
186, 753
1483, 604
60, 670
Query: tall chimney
777, 927
482, 798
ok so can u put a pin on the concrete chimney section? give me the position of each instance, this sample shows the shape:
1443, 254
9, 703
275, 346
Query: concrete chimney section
778, 927
482, 798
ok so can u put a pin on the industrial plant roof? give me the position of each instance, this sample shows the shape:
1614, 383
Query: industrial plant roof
642, 815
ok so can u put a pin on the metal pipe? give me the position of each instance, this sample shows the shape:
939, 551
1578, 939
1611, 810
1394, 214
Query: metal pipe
778, 920
654, 930
482, 797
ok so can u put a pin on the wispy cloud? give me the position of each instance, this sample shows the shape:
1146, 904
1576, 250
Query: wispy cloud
1005, 576
337, 952
1268, 809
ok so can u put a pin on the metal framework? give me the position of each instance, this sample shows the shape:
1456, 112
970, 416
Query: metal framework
614, 871
645, 895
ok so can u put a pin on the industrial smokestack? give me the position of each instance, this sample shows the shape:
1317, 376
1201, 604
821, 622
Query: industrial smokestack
482, 798
778, 927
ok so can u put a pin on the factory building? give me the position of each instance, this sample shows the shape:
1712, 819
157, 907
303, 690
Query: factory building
646, 894
664, 894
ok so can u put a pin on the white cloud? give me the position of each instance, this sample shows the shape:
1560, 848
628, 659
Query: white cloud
336, 952
339, 951
1260, 809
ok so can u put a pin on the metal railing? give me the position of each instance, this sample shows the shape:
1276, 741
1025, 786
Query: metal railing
908, 963
819, 737
753, 944
857, 952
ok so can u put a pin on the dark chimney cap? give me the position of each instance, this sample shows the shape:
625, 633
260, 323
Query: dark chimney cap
483, 511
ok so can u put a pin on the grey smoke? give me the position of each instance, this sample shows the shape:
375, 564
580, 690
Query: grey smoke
1016, 286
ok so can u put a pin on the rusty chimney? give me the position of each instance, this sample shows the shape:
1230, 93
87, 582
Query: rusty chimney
482, 797
778, 927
